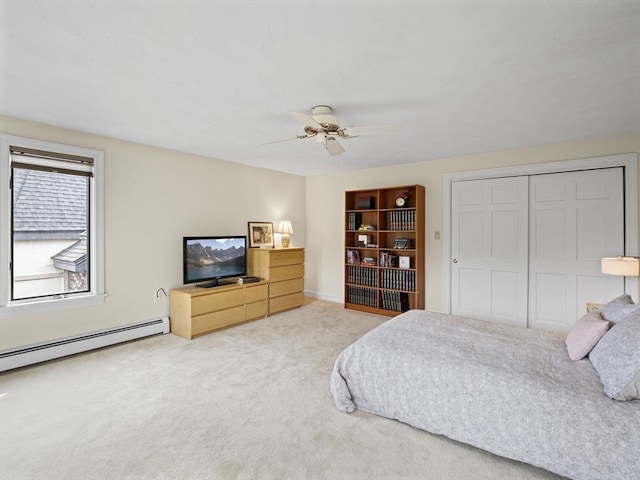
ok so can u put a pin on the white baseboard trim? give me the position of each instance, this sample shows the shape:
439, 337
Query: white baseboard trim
324, 296
42, 352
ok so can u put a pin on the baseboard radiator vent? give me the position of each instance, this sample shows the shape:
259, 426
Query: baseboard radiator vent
21, 357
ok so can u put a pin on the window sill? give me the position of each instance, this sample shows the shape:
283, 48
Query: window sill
49, 305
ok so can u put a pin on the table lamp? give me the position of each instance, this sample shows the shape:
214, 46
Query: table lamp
620, 265
285, 229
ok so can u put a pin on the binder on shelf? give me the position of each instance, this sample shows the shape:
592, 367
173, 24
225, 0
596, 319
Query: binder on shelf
367, 203
354, 220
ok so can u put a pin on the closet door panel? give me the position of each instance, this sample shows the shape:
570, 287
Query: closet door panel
576, 218
489, 249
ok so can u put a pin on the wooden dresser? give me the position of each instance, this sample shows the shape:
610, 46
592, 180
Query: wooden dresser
283, 269
196, 311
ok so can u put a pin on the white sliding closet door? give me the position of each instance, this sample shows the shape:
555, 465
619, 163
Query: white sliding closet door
526, 250
489, 249
575, 219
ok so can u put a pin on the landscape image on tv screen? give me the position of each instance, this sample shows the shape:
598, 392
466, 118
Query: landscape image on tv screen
215, 258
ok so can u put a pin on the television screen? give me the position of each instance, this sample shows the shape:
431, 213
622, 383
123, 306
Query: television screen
206, 260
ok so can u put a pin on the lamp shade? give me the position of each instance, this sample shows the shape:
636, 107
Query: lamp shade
285, 227
625, 266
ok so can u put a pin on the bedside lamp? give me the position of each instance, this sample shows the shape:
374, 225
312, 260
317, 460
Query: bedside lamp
620, 265
285, 229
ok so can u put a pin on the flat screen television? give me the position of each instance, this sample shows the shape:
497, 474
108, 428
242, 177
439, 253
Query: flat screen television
208, 260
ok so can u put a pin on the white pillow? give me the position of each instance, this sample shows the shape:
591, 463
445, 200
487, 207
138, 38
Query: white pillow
616, 357
618, 308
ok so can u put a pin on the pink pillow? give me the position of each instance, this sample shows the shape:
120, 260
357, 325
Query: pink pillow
585, 334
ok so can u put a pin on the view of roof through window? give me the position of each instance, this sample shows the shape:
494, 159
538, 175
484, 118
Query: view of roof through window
50, 221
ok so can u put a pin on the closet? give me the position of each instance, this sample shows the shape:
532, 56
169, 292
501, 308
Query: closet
525, 250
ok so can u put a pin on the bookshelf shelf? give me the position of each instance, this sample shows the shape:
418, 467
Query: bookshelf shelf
384, 250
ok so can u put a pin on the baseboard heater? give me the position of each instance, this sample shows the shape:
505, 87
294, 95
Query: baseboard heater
21, 357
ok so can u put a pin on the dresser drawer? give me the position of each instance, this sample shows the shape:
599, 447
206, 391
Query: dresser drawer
219, 301
278, 258
286, 302
289, 272
211, 321
286, 287
257, 309
259, 292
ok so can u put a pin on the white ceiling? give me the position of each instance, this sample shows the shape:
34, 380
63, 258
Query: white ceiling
217, 78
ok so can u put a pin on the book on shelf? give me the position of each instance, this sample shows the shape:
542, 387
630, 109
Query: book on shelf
354, 220
353, 257
404, 301
367, 297
367, 203
362, 275
402, 243
395, 301
402, 220
388, 259
398, 279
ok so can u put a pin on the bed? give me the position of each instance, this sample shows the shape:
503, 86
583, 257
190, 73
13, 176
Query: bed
511, 391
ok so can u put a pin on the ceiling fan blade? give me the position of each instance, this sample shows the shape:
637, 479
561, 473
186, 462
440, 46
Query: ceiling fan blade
306, 120
298, 137
333, 146
372, 130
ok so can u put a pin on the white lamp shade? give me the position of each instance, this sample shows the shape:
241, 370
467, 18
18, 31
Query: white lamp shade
285, 227
625, 266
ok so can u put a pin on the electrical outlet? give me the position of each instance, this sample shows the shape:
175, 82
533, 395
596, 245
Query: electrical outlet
436, 235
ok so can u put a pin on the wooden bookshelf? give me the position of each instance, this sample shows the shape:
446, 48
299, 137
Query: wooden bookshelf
384, 265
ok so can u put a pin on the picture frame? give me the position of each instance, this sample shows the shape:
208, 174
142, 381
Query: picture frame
261, 235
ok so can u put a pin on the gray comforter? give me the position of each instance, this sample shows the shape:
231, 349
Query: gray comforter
511, 391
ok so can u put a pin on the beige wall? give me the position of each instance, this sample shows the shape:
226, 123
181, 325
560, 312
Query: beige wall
325, 206
153, 197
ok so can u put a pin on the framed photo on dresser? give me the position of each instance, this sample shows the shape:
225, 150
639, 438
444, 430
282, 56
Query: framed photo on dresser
261, 234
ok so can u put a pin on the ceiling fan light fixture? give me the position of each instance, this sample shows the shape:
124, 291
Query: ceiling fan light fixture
325, 126
310, 131
323, 115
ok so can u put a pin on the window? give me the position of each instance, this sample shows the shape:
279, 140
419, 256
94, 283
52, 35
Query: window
51, 253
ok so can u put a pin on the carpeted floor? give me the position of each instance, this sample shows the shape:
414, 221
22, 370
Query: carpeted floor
249, 402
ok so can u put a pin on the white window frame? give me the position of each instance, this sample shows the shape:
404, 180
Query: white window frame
96, 295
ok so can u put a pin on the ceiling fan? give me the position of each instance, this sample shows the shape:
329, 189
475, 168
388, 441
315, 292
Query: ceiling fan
325, 126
